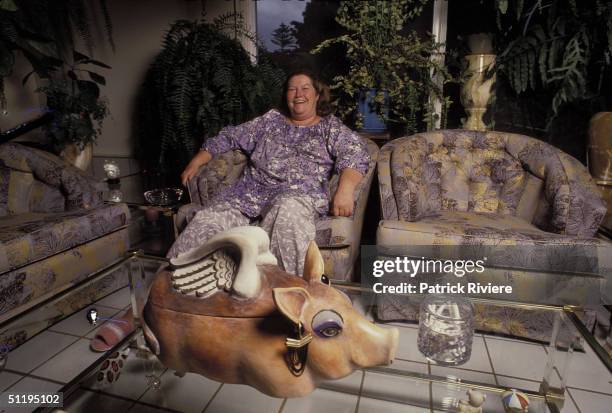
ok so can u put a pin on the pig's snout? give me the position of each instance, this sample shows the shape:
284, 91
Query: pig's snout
379, 345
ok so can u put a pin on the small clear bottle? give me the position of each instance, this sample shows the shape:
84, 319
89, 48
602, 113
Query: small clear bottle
446, 329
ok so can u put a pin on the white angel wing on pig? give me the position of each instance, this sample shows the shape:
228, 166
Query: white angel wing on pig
228, 261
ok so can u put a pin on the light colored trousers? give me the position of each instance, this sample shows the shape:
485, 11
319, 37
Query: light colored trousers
289, 221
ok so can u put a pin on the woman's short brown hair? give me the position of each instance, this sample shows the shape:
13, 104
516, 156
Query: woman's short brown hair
323, 105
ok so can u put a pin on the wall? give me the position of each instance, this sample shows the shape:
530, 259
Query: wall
138, 30
23, 103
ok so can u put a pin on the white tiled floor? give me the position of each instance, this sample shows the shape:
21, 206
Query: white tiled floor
588, 402
587, 373
187, 394
462, 374
69, 363
322, 400
7, 379
240, 398
397, 388
38, 350
118, 299
30, 384
526, 360
367, 405
88, 401
77, 323
56, 355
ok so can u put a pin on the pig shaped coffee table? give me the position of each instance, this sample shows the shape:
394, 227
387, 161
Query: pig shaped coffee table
228, 312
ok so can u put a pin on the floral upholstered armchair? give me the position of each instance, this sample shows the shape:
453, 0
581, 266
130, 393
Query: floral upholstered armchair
529, 200
337, 237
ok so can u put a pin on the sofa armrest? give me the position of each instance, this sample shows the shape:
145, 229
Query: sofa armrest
80, 190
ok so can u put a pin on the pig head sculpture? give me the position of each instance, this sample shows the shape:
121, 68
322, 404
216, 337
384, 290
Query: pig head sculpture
228, 312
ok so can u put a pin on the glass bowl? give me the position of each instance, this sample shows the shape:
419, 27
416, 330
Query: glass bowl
164, 196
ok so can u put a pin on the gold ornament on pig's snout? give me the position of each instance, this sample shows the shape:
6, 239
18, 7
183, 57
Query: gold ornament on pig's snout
298, 350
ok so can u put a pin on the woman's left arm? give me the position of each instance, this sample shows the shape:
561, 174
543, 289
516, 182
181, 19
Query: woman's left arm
352, 161
344, 198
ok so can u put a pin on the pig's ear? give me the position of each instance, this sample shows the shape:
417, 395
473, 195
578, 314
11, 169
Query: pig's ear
313, 264
291, 302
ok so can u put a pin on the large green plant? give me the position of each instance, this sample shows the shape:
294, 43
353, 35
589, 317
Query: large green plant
77, 110
43, 32
383, 55
561, 46
202, 81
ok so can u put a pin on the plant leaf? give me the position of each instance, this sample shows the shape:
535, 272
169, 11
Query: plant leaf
8, 5
7, 60
26, 77
97, 63
78, 57
99, 79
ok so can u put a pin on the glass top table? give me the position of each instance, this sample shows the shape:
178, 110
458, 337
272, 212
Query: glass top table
130, 189
157, 230
412, 383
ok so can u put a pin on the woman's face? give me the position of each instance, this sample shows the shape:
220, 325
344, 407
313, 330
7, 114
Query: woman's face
302, 97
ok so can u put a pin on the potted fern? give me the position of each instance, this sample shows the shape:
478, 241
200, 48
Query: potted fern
201, 81
389, 65
563, 47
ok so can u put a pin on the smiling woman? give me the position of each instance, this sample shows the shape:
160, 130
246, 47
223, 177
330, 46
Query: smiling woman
306, 99
292, 151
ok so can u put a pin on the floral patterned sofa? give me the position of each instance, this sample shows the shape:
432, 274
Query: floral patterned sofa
55, 232
527, 203
337, 237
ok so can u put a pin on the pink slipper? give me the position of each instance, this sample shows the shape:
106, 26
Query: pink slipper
110, 334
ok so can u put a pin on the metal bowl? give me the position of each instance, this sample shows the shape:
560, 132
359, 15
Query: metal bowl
164, 196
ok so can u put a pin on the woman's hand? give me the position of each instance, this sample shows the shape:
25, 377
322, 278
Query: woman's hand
342, 203
190, 171
201, 158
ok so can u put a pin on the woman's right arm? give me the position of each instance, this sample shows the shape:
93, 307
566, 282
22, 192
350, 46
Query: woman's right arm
201, 158
242, 137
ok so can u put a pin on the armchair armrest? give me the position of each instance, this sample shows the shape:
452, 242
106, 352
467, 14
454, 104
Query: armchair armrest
221, 171
576, 206
335, 232
362, 191
394, 175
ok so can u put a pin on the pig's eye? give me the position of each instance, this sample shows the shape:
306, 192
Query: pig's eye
327, 324
325, 279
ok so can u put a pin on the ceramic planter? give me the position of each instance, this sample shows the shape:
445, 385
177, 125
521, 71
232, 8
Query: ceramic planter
477, 89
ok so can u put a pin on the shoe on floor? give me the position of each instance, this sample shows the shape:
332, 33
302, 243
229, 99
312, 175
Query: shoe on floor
110, 334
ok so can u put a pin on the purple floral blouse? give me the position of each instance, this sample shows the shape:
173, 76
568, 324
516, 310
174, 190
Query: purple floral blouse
285, 158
